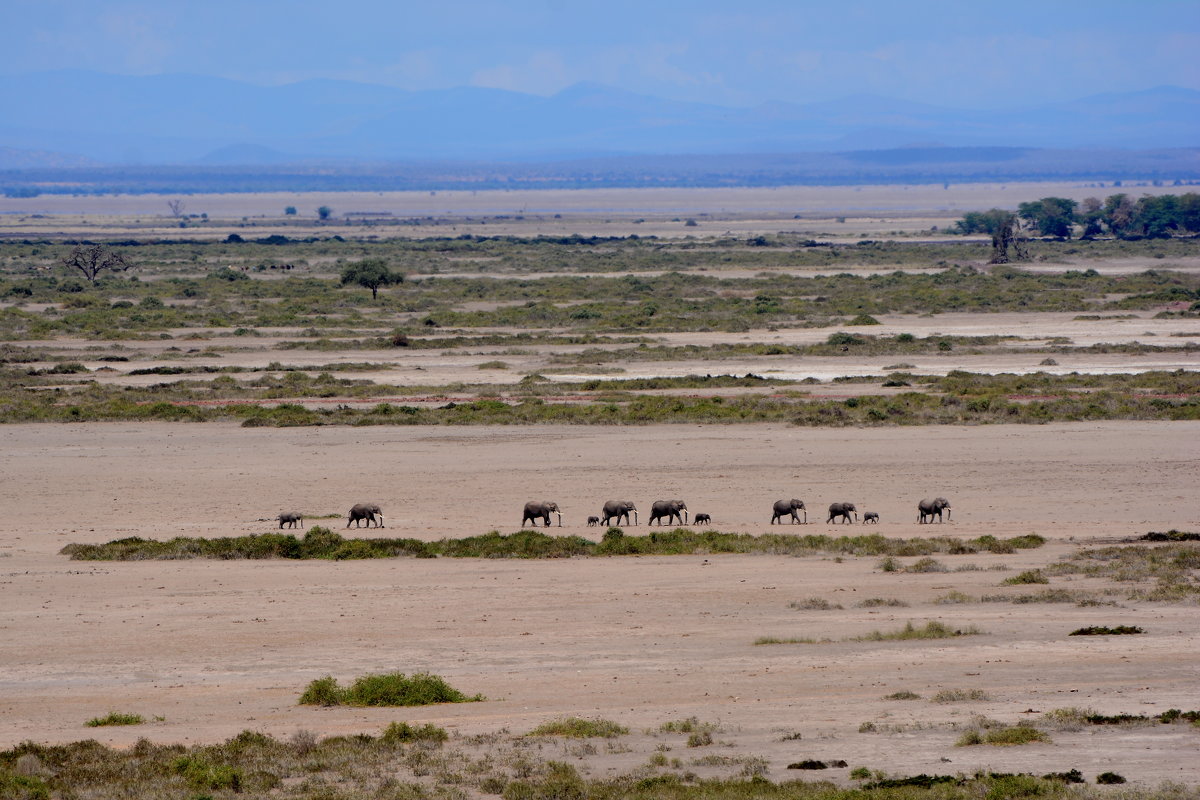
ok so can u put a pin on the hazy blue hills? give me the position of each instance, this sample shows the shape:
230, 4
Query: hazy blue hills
74, 116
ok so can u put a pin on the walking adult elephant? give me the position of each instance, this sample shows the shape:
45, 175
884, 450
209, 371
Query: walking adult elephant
365, 511
671, 509
535, 511
842, 511
784, 508
928, 509
618, 509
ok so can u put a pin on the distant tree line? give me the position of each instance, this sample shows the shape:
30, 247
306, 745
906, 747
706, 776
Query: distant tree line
1119, 215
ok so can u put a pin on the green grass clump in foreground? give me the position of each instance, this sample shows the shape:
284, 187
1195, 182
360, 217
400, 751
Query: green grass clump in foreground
931, 630
321, 542
115, 718
1002, 737
390, 689
579, 728
360, 766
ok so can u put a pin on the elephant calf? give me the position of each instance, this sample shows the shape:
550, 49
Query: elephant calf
294, 519
702, 519
871, 516
593, 522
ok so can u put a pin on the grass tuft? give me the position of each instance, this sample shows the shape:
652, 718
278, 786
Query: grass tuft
960, 695
931, 630
1002, 737
115, 718
579, 728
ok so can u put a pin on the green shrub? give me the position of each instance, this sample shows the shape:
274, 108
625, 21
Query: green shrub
390, 689
1002, 737
23, 787
202, 774
864, 319
402, 732
1028, 576
323, 692
1104, 630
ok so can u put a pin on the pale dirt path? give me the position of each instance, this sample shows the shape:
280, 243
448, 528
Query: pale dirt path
217, 647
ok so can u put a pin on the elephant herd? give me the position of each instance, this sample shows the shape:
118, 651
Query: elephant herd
674, 512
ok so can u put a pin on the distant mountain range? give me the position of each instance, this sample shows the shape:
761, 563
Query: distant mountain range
71, 117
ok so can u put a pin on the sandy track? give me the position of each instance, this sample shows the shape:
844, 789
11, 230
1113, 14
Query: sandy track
216, 647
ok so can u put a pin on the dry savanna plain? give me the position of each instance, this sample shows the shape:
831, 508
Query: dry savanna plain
830, 345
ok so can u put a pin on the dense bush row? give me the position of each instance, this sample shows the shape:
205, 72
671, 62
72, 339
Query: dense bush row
323, 543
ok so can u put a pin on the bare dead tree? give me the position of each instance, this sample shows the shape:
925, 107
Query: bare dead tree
1005, 237
93, 259
176, 207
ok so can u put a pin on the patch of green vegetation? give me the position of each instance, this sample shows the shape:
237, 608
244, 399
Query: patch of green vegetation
1029, 576
115, 718
321, 542
1104, 630
813, 604
762, 640
389, 689
689, 725
579, 728
1172, 566
882, 602
1003, 736
403, 733
902, 695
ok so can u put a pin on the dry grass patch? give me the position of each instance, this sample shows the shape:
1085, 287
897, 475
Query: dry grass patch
960, 695
930, 630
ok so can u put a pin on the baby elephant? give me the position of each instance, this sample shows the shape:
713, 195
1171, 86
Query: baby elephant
701, 519
294, 519
593, 522
870, 516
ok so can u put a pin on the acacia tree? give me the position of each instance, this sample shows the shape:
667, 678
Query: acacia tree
370, 273
1051, 216
91, 260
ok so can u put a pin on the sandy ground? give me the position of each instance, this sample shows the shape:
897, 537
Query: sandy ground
818, 211
421, 367
213, 648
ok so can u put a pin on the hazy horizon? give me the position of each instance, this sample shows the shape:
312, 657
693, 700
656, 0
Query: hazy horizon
939, 52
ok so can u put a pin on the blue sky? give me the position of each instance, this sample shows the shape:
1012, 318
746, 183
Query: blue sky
965, 54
